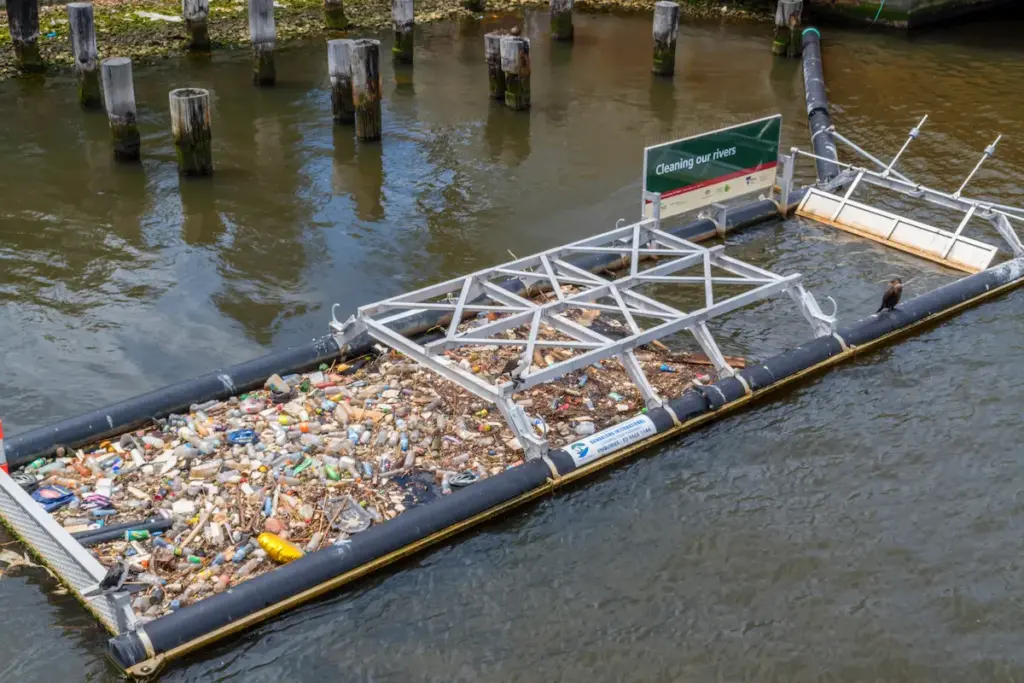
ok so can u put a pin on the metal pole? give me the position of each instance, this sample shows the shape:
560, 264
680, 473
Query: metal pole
989, 151
867, 154
914, 132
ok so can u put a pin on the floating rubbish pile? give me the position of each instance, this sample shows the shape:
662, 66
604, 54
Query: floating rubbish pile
197, 503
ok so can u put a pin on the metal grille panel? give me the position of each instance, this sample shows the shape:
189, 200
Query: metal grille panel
73, 565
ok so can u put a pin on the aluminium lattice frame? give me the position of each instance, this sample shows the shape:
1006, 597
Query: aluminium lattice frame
488, 292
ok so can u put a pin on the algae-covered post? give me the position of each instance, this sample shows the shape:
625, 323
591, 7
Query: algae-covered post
515, 62
334, 15
196, 13
561, 19
339, 66
23, 22
190, 127
787, 28
83, 49
365, 62
262, 33
666, 28
403, 20
119, 98
495, 76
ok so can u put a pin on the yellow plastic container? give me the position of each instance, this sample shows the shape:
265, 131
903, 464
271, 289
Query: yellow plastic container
279, 550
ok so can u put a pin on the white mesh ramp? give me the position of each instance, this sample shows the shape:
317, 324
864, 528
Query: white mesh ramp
76, 568
948, 248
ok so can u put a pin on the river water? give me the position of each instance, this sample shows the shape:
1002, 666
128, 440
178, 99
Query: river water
866, 526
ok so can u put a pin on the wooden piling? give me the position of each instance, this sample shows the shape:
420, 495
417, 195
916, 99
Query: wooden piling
119, 99
364, 56
666, 28
339, 66
403, 20
83, 50
787, 28
334, 15
190, 127
23, 23
561, 19
515, 63
475, 6
495, 76
196, 13
263, 34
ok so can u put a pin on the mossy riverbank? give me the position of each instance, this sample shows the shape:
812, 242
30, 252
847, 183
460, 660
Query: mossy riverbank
150, 30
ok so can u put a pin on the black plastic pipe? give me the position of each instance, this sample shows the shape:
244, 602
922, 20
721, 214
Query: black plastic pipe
115, 531
74, 432
131, 413
196, 620
818, 117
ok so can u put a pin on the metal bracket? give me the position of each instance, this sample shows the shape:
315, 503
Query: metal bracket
1002, 225
720, 217
711, 350
824, 325
655, 199
788, 163
519, 422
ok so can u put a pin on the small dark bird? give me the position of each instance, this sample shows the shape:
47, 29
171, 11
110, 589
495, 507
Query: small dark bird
511, 365
113, 580
891, 296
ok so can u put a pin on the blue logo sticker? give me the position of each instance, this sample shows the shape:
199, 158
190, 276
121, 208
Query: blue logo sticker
580, 449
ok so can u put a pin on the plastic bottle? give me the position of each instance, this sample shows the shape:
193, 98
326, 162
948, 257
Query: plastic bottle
585, 428
314, 541
252, 405
153, 442
349, 464
248, 567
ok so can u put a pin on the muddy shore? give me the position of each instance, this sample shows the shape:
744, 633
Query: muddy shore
151, 30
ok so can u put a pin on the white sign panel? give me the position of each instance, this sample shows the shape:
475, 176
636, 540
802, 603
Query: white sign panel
612, 439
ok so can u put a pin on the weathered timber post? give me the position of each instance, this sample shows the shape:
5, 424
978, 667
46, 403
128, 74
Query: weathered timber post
515, 62
666, 28
787, 28
474, 5
339, 66
403, 20
23, 22
83, 49
262, 33
119, 99
561, 19
365, 61
190, 127
495, 76
196, 13
334, 15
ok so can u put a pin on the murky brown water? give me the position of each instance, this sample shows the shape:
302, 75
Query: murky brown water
865, 527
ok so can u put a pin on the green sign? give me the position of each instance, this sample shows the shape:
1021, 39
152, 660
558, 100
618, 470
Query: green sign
704, 169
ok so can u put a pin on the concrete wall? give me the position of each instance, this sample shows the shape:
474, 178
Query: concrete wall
898, 13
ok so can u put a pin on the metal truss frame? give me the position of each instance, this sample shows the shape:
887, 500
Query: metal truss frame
488, 301
999, 215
